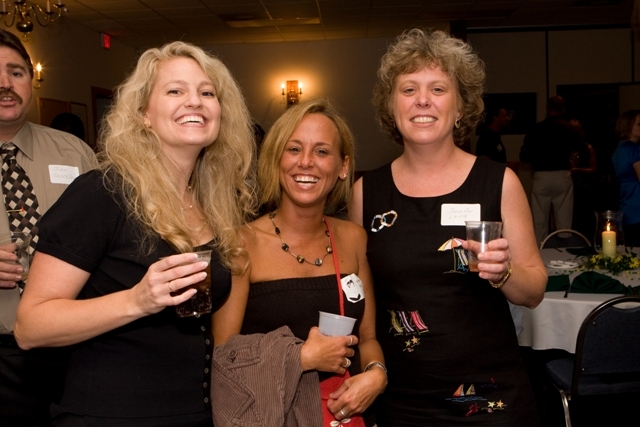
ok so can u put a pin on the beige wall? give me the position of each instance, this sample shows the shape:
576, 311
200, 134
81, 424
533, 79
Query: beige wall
344, 70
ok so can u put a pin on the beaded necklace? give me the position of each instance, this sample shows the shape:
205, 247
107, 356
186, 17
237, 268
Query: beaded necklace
300, 258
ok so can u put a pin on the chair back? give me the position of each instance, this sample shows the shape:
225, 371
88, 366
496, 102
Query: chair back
574, 240
609, 341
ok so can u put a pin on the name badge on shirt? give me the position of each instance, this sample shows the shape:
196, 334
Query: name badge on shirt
457, 214
61, 174
353, 288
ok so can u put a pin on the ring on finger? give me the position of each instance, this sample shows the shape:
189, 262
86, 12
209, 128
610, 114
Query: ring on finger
170, 288
350, 340
347, 363
344, 414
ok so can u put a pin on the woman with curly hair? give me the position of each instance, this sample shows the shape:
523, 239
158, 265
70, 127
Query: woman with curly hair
177, 150
446, 333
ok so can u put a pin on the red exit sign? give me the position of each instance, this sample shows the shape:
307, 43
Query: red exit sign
105, 41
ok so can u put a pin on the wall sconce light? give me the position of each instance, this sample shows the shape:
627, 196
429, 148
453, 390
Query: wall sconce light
38, 76
291, 92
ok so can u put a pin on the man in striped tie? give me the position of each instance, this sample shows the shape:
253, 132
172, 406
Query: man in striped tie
38, 163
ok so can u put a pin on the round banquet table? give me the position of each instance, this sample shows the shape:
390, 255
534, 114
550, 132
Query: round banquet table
556, 321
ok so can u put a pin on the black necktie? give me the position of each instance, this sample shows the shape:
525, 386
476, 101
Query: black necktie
19, 198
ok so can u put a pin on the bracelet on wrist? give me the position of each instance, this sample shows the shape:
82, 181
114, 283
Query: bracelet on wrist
373, 364
380, 365
504, 279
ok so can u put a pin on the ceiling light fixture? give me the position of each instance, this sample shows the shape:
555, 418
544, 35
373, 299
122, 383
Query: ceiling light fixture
24, 13
249, 23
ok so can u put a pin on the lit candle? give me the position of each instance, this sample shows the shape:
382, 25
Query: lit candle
300, 88
38, 71
282, 86
609, 242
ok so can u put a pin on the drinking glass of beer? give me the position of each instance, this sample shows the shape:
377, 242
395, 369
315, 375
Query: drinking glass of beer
200, 303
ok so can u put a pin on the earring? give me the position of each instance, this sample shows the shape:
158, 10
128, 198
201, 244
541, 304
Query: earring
457, 123
345, 176
147, 125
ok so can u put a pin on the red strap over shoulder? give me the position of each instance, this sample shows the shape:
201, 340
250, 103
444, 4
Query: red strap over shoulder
337, 267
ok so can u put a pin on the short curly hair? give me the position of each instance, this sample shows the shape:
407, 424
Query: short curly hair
417, 48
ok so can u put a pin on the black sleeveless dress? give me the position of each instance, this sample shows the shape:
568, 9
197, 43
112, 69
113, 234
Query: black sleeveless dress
295, 302
448, 337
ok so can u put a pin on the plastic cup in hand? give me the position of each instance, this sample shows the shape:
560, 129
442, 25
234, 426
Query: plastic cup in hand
17, 243
481, 232
200, 303
335, 325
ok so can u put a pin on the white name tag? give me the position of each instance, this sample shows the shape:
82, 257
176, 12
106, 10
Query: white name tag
457, 214
61, 174
353, 288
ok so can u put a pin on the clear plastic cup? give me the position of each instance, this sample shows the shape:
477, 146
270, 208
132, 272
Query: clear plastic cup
200, 303
481, 232
17, 243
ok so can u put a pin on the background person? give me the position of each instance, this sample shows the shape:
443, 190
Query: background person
306, 164
548, 147
177, 151
489, 142
626, 162
584, 165
70, 123
447, 334
28, 380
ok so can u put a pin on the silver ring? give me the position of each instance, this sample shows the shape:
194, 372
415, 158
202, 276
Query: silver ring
344, 415
347, 364
350, 340
169, 286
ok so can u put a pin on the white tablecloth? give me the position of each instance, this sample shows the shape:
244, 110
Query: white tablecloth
556, 321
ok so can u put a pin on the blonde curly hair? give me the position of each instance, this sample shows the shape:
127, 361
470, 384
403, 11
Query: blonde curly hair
134, 164
417, 48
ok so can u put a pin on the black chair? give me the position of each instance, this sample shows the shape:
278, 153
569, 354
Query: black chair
575, 239
607, 357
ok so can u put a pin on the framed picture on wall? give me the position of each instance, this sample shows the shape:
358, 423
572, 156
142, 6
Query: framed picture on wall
520, 106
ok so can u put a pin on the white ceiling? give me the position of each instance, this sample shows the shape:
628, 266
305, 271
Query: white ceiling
144, 23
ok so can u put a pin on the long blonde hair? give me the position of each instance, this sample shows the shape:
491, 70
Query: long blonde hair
134, 164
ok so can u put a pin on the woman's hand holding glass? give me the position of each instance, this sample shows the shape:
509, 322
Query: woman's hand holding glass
494, 261
155, 290
327, 354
